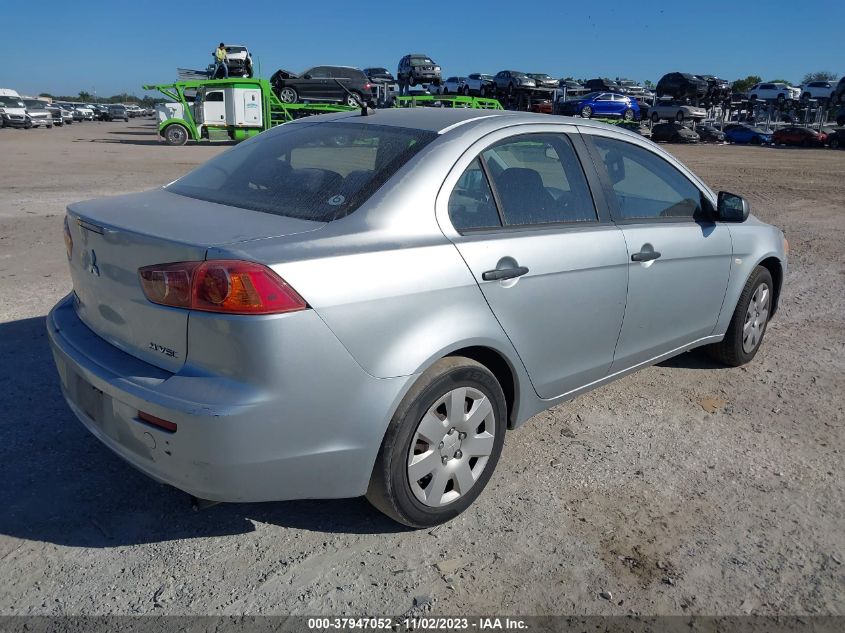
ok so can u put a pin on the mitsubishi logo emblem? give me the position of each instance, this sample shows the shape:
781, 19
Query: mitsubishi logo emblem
93, 268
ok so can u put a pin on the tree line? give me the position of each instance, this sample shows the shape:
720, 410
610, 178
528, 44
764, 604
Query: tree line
87, 97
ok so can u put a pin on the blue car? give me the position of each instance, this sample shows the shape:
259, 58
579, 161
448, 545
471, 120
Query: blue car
744, 133
601, 104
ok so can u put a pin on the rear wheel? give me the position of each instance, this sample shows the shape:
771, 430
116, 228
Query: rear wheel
352, 101
442, 444
679, 117
176, 134
288, 95
628, 115
756, 140
466, 91
748, 324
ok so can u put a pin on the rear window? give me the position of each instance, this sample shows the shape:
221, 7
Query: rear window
320, 172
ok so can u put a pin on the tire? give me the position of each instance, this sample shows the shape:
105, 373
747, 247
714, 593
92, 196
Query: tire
834, 143
176, 134
655, 118
412, 81
752, 98
288, 95
807, 143
466, 91
756, 299
628, 115
391, 489
756, 140
482, 92
586, 112
679, 117
126, 120
510, 89
350, 101
50, 127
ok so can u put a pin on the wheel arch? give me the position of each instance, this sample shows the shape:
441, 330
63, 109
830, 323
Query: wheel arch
192, 133
501, 368
775, 268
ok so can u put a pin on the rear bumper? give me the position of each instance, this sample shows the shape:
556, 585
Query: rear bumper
312, 429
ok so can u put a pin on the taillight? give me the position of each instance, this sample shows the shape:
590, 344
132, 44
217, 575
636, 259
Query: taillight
68, 239
222, 285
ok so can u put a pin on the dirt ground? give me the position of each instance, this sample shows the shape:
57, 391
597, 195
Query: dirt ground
685, 488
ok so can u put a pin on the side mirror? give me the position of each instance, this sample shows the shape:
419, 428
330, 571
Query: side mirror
732, 208
306, 76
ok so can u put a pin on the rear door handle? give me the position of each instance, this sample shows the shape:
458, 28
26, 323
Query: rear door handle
644, 256
499, 274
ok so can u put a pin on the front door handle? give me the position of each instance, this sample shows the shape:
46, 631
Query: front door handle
644, 256
499, 274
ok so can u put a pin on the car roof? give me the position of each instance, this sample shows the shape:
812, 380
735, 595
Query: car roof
442, 120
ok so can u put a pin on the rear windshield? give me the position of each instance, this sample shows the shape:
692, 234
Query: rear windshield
318, 171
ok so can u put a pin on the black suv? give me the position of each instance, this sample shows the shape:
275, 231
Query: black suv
718, 90
604, 85
322, 83
417, 68
681, 86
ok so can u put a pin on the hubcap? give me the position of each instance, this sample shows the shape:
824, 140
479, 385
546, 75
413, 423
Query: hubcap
451, 447
755, 319
287, 95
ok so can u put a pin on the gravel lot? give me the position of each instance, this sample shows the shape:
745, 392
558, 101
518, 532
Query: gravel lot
685, 488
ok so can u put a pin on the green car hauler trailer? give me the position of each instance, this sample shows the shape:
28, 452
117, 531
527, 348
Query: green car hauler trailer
225, 109
239, 108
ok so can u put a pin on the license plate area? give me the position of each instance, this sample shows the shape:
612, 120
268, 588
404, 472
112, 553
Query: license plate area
89, 399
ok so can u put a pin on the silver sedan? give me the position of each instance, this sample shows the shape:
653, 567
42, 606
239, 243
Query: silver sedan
349, 305
672, 111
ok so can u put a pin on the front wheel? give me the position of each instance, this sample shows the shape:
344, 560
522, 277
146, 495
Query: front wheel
749, 321
586, 112
176, 134
442, 444
679, 117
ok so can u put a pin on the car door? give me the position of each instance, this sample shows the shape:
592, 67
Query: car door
679, 258
603, 103
552, 270
214, 108
315, 85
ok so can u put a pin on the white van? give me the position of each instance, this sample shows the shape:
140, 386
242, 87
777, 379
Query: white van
8, 92
12, 111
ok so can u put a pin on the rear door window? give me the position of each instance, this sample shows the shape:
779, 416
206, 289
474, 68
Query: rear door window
538, 179
471, 204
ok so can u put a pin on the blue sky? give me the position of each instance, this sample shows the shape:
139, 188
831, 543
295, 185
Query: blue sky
73, 46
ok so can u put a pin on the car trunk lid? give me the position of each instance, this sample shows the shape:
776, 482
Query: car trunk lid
114, 237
